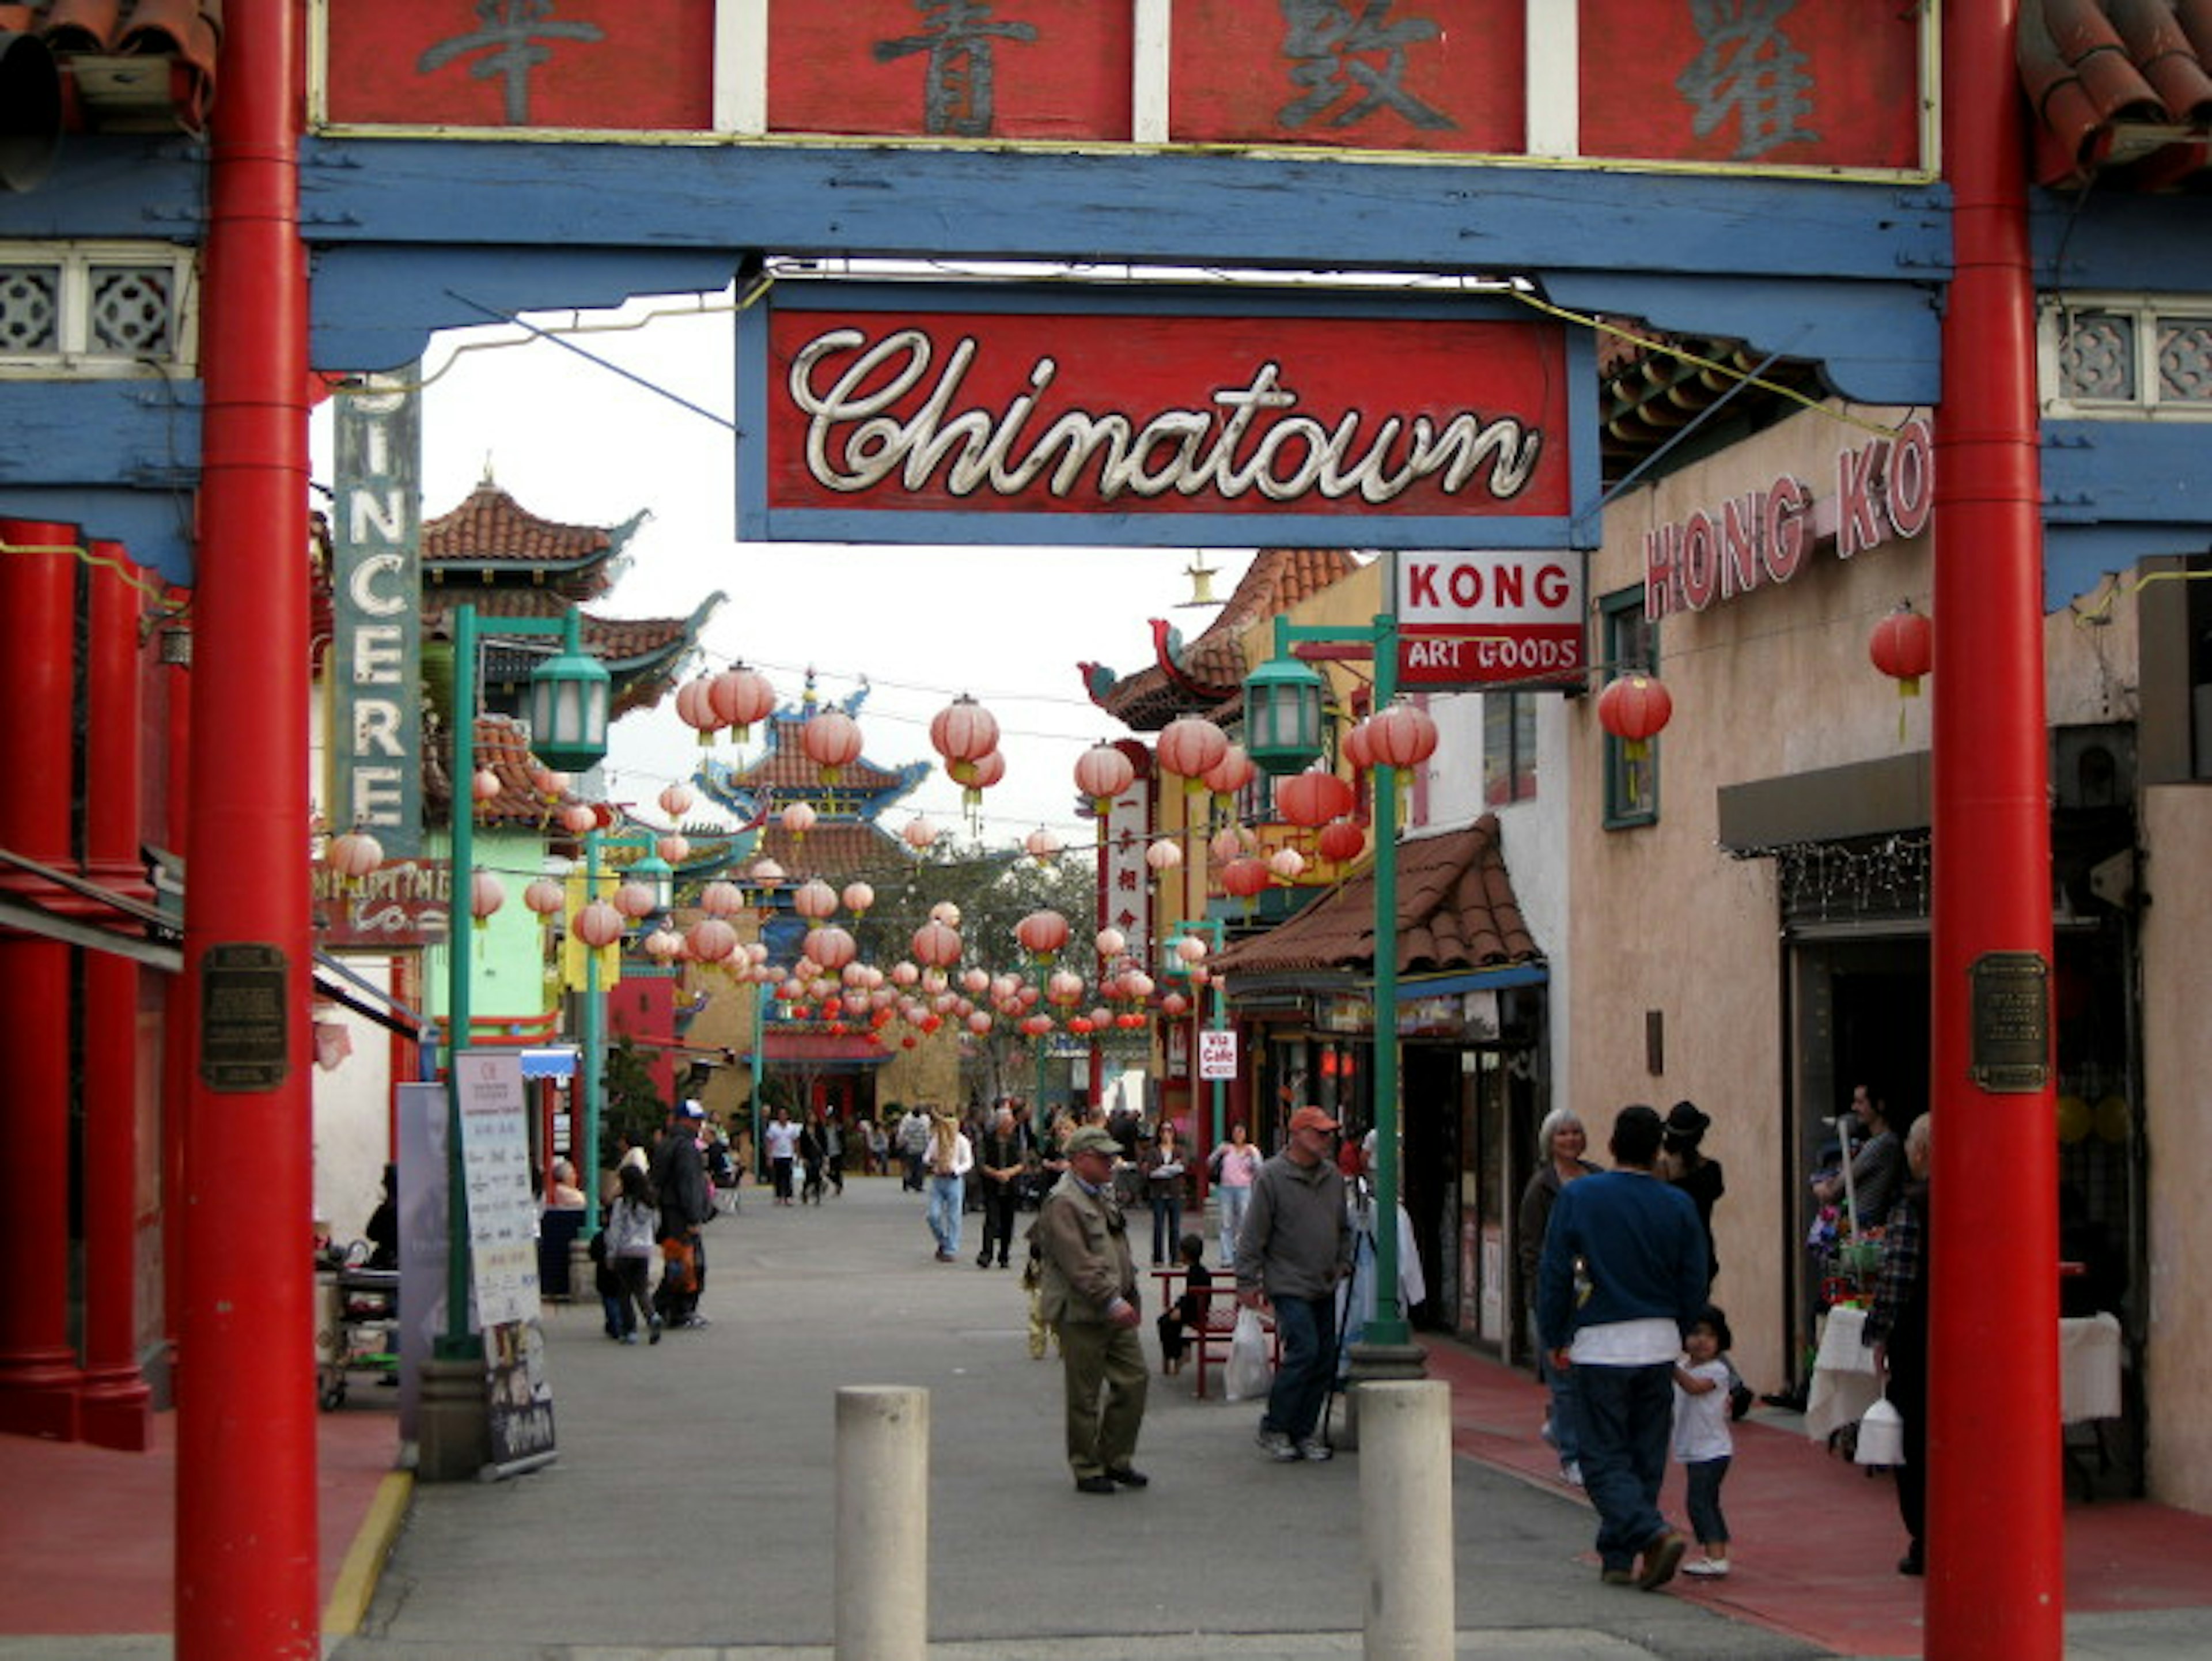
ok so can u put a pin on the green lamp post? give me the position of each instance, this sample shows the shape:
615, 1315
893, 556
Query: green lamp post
570, 696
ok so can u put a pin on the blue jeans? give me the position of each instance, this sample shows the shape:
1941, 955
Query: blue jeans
1167, 1226
1567, 1437
1308, 1330
1627, 1416
945, 1212
1706, 1522
1233, 1201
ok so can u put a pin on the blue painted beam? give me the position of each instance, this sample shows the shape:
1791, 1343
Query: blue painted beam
2115, 492
406, 207
120, 458
157, 526
104, 186
2121, 243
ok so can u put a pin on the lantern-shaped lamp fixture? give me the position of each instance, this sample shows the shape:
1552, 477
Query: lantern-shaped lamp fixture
1283, 700
569, 696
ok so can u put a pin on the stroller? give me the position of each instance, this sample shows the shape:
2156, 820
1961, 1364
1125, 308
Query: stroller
356, 1325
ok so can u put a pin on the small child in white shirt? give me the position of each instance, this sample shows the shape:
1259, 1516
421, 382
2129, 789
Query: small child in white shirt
1702, 1439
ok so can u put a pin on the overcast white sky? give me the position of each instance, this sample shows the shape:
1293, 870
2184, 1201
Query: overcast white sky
573, 442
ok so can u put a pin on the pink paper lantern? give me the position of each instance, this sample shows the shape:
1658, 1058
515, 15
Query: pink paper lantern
722, 900
815, 899
1189, 747
599, 924
1102, 773
832, 947
1401, 736
487, 893
740, 697
711, 940
1164, 856
1041, 934
1231, 772
963, 733
544, 896
831, 740
353, 855
676, 801
937, 945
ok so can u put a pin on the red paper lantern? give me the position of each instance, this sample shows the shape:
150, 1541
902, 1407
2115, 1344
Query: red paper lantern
599, 924
1231, 772
740, 697
1904, 648
938, 945
1358, 752
963, 733
1189, 747
1102, 773
831, 740
711, 940
1400, 736
1633, 709
833, 948
1244, 876
1041, 934
1311, 799
1174, 1005
694, 708
1342, 840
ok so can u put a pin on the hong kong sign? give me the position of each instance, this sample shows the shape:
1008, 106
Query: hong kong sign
1482, 619
930, 414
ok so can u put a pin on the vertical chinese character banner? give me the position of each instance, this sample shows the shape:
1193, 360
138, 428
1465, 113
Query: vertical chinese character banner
1373, 75
1752, 82
952, 68
629, 65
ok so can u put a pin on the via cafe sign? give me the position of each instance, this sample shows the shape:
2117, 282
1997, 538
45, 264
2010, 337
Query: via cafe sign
1155, 415
1884, 491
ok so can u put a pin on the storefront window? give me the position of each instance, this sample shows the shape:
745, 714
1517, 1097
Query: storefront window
1631, 642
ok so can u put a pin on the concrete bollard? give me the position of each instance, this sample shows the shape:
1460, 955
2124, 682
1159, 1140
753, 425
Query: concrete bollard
882, 1523
1405, 1520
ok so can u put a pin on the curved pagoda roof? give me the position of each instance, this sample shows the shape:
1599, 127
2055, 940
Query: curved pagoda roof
1205, 676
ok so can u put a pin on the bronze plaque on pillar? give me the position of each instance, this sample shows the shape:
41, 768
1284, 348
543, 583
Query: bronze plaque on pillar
246, 1022
2011, 1022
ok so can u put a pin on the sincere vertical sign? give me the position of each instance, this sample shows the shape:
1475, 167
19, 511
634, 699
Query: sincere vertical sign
376, 649
938, 414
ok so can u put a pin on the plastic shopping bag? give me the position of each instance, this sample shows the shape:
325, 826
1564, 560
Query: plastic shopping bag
1248, 1373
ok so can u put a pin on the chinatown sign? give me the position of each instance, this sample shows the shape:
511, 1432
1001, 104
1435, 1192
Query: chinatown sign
930, 414
1884, 491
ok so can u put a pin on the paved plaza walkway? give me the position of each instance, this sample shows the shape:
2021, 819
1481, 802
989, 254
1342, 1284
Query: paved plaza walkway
691, 1510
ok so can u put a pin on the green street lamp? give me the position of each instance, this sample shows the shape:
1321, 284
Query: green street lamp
569, 693
568, 700
1283, 702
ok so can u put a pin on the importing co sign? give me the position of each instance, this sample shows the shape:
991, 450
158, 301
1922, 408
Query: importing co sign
1478, 619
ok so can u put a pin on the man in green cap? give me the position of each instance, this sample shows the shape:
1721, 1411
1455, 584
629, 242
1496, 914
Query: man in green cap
1090, 1298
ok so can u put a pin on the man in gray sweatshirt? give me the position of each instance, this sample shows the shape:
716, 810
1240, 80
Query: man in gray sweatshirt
1295, 1248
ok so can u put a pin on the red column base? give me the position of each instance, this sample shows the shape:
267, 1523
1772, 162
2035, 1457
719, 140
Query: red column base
41, 1394
117, 1411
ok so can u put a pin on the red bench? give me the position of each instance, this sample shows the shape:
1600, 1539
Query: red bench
1208, 1346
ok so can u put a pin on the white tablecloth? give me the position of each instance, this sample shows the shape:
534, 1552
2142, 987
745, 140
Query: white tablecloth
1845, 1384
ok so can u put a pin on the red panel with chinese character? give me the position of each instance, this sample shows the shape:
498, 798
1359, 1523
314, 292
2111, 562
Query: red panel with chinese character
1755, 82
1069, 412
952, 68
628, 65
1368, 75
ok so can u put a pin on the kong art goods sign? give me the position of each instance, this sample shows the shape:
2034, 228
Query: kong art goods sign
936, 415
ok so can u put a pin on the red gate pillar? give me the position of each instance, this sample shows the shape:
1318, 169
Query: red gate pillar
245, 1535
38, 1377
1995, 1563
117, 1405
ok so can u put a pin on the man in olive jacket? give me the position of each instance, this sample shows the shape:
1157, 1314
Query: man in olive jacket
1088, 1294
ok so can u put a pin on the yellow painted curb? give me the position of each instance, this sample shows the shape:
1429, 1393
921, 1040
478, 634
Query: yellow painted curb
364, 1560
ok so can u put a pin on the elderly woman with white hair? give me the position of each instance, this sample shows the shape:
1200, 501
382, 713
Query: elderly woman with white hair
1561, 1140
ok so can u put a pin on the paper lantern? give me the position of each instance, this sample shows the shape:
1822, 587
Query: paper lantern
946, 913
1904, 648
831, 740
1340, 840
711, 940
353, 855
740, 697
937, 945
1245, 877
544, 896
675, 801
1287, 863
832, 947
1229, 776
1633, 709
919, 834
1189, 747
1041, 934
599, 924
1174, 1005
1111, 943
797, 818
963, 733
1164, 855
673, 849
1041, 845
722, 900
487, 893
816, 899
1063, 987
857, 898
636, 900
578, 818
1311, 799
1192, 948
1401, 736
694, 708
1102, 773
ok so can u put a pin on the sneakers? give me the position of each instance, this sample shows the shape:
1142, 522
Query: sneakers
654, 1337
631, 1338
1278, 1446
1571, 1473
1660, 1559
1315, 1449
1708, 1568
